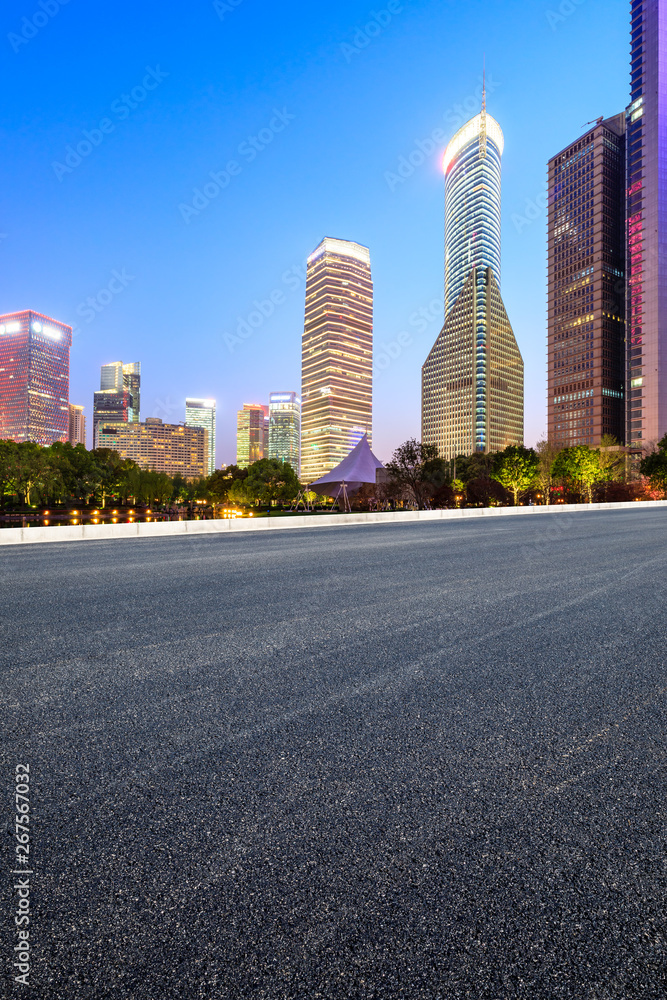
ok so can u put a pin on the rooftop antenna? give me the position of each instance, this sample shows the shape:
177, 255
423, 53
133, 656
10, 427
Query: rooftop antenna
484, 86
482, 131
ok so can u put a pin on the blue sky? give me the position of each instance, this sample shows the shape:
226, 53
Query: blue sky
303, 113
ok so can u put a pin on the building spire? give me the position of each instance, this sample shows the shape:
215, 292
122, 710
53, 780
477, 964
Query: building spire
482, 131
484, 87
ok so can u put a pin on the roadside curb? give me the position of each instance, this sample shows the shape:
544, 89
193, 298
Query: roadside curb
104, 532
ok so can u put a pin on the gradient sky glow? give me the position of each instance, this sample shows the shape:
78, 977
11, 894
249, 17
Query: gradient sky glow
334, 107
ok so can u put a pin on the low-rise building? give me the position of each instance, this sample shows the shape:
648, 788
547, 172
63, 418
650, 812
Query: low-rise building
174, 449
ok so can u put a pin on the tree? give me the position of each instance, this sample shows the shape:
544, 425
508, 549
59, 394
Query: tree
654, 466
579, 468
222, 480
269, 480
479, 465
7, 458
546, 456
79, 473
26, 467
417, 468
515, 469
612, 459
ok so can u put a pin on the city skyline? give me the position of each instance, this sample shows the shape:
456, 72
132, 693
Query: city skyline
391, 200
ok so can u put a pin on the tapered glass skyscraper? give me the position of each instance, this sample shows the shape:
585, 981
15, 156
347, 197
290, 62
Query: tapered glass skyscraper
472, 166
472, 380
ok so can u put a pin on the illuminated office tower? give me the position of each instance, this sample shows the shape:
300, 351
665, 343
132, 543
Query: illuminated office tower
132, 383
646, 233
201, 413
337, 356
586, 325
34, 378
119, 396
252, 434
285, 428
472, 380
77, 425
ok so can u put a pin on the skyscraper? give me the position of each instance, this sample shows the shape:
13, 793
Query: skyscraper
337, 356
119, 397
285, 428
34, 378
77, 425
472, 380
586, 326
201, 413
646, 215
252, 434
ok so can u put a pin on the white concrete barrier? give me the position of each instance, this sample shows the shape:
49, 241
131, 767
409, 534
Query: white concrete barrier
91, 532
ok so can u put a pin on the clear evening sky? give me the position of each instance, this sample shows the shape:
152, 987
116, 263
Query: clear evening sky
304, 112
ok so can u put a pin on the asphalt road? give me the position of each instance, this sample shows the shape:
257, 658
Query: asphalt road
416, 761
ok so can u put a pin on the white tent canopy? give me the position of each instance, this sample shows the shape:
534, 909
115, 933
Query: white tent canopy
352, 473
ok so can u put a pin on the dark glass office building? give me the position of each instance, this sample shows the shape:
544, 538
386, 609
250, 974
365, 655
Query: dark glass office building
586, 334
646, 209
607, 376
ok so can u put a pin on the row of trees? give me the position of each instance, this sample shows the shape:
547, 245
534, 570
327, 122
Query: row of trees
62, 474
543, 474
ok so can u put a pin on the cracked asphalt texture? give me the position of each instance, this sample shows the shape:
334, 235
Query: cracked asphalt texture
416, 761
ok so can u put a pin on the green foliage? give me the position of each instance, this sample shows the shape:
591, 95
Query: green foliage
25, 467
221, 482
546, 452
612, 459
579, 469
267, 480
476, 466
515, 469
63, 474
416, 468
654, 466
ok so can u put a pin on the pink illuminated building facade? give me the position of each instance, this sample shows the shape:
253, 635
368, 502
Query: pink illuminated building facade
34, 378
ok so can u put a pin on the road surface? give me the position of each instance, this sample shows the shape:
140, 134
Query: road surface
416, 761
